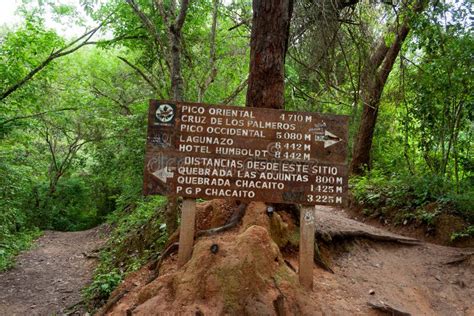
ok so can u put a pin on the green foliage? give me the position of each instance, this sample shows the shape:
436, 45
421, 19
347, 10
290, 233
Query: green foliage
69, 208
466, 233
139, 235
409, 195
72, 138
376, 189
463, 203
103, 285
12, 243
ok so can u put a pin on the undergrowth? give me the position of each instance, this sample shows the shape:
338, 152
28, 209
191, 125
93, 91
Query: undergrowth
12, 244
409, 198
138, 235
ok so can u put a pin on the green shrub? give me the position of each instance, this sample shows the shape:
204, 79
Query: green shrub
138, 236
466, 233
103, 285
409, 194
12, 244
463, 204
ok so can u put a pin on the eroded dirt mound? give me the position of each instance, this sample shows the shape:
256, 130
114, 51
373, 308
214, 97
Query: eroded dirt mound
238, 272
49, 278
244, 272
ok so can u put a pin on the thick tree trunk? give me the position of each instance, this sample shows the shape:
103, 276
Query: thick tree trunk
363, 141
268, 46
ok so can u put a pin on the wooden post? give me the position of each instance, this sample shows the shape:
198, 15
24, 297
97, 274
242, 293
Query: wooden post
186, 231
306, 247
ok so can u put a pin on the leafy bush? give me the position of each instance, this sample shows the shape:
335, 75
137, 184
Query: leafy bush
12, 244
103, 285
466, 233
409, 194
138, 235
464, 204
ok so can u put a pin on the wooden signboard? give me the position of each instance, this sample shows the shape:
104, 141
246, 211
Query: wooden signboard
214, 151
206, 151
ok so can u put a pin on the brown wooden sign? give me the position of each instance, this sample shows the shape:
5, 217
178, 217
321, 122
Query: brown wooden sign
214, 151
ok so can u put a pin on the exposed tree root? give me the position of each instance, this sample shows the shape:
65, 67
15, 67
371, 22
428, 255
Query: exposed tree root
367, 235
111, 302
155, 266
384, 307
234, 220
279, 302
90, 255
290, 265
279, 305
72, 309
330, 226
319, 259
460, 258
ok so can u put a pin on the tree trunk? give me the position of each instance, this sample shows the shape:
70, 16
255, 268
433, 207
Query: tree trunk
378, 68
177, 87
363, 141
268, 46
174, 23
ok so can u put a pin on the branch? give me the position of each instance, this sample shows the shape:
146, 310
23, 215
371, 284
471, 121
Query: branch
413, 63
243, 22
51, 150
178, 25
391, 52
120, 104
117, 39
341, 4
141, 73
66, 50
327, 82
161, 9
236, 92
35, 115
149, 25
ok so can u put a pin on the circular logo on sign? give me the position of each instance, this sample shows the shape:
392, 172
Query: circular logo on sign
164, 113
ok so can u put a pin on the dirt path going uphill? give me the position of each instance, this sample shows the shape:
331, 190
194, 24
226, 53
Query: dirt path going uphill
49, 278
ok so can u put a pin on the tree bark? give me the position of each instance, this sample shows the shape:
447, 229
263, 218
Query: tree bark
177, 87
375, 76
174, 24
268, 46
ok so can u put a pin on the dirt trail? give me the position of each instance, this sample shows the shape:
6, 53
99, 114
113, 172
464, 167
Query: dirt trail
49, 278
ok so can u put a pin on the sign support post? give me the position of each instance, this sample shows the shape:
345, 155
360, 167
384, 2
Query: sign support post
186, 231
306, 255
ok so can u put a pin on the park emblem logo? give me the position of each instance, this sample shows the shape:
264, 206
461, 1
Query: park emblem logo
165, 114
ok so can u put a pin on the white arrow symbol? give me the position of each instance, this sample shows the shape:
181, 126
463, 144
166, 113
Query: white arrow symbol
328, 138
163, 174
